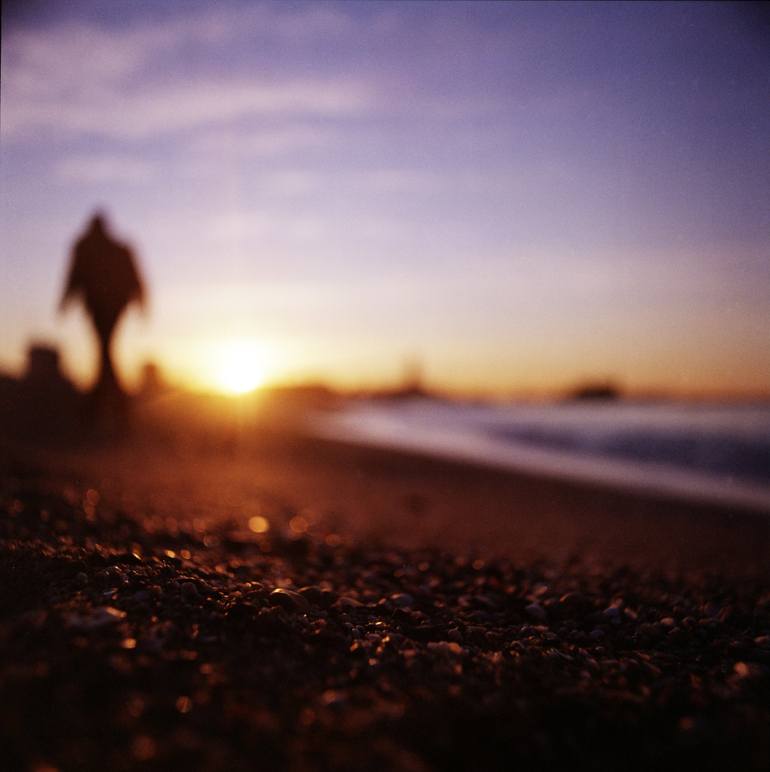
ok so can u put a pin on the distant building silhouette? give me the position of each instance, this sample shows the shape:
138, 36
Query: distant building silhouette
412, 385
151, 382
43, 377
413, 378
42, 403
103, 276
603, 391
43, 365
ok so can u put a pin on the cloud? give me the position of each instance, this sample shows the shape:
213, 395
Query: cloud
83, 79
101, 169
174, 107
45, 59
261, 142
243, 227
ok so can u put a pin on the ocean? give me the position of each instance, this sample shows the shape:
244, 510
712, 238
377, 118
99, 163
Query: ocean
699, 451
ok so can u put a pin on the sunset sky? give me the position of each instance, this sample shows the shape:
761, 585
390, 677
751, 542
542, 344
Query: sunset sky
522, 196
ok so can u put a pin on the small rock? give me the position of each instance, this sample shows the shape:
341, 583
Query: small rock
480, 617
129, 558
328, 597
573, 600
402, 600
445, 647
647, 630
333, 698
536, 611
288, 599
312, 594
101, 616
345, 601
240, 612
112, 576
676, 635
486, 602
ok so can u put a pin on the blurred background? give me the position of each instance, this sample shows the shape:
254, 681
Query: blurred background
523, 196
478, 200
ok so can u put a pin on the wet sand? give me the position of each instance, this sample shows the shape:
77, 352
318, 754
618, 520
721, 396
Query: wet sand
413, 500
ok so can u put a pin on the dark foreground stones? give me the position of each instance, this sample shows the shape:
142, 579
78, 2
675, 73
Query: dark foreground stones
125, 644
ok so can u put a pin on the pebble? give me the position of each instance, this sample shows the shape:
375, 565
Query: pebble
288, 599
536, 611
572, 601
114, 576
445, 647
102, 616
312, 594
345, 601
486, 602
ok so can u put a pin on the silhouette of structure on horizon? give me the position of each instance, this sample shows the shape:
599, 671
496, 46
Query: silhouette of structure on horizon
412, 385
605, 391
43, 402
104, 277
152, 382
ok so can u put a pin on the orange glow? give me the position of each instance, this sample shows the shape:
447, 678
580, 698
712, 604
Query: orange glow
259, 524
240, 366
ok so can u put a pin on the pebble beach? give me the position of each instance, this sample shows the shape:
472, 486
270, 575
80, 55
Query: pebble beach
282, 640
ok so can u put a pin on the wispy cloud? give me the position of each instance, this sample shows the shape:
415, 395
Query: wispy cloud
174, 107
262, 142
101, 169
249, 227
78, 52
85, 79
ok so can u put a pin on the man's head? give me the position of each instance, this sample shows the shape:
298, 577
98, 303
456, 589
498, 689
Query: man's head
98, 223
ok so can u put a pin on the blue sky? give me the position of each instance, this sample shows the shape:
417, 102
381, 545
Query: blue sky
523, 195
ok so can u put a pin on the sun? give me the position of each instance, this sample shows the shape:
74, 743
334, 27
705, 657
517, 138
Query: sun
241, 366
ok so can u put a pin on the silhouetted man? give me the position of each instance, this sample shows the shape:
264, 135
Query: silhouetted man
104, 277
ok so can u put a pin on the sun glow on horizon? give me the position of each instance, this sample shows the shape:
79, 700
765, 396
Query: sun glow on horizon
240, 366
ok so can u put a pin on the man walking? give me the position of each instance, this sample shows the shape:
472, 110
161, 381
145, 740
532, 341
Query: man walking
104, 277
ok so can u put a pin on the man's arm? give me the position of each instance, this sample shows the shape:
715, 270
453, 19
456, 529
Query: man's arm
138, 293
74, 284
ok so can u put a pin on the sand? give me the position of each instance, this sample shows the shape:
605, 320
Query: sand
411, 500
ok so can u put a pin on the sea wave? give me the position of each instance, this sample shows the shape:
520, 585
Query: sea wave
710, 452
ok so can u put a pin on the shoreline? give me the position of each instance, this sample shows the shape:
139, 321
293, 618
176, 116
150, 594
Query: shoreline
504, 512
414, 500
666, 481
